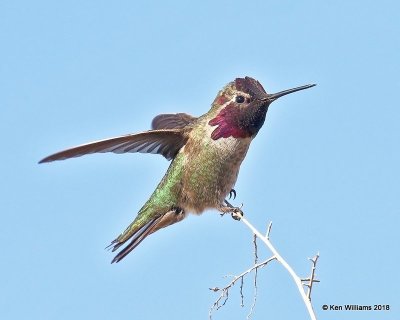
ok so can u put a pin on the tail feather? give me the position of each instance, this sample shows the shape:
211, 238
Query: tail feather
138, 237
138, 231
121, 239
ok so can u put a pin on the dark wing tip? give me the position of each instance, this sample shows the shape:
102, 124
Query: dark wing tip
56, 156
45, 160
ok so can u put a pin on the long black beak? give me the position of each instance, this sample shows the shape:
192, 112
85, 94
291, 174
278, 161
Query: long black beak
273, 96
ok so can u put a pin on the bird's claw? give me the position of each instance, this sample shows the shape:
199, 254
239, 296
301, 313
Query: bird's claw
236, 212
232, 193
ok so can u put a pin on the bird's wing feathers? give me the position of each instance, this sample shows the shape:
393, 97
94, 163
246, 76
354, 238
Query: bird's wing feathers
164, 142
172, 121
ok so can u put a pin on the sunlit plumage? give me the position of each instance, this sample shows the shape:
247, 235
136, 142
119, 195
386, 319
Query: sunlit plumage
206, 155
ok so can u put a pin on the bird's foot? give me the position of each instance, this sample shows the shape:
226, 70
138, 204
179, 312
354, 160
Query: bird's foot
236, 212
232, 193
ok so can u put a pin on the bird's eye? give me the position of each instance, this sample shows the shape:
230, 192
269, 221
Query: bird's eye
239, 99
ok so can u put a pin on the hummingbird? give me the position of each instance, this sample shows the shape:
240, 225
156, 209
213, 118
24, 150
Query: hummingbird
206, 154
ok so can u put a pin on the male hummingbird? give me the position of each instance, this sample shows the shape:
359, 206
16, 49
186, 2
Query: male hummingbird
206, 154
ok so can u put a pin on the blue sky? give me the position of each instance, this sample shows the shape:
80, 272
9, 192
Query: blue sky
324, 168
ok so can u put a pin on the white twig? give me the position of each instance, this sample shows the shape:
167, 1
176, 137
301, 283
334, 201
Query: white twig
237, 214
269, 229
279, 258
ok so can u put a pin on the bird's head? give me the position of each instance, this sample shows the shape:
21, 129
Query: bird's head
241, 107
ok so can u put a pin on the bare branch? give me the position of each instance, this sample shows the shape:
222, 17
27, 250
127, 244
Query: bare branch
225, 290
280, 259
312, 277
269, 229
241, 292
253, 305
237, 214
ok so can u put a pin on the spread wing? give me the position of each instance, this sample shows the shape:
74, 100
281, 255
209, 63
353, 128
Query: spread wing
164, 142
172, 121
